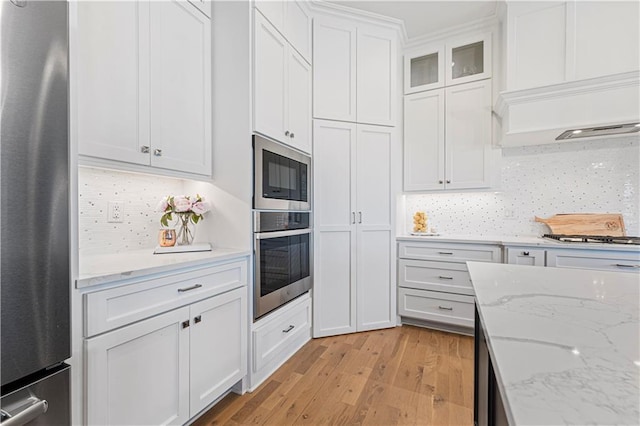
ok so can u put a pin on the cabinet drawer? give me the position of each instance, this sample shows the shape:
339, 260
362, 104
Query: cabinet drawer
526, 256
449, 252
438, 276
272, 338
434, 306
116, 307
595, 259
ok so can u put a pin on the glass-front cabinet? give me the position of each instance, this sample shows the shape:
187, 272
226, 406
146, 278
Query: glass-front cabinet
458, 61
468, 59
424, 69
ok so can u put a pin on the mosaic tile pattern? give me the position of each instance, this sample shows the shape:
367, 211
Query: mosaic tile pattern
140, 195
597, 176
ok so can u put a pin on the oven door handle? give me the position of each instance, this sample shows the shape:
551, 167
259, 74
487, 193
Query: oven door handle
277, 234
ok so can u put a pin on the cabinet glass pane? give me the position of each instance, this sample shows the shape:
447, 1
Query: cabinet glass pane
467, 60
424, 70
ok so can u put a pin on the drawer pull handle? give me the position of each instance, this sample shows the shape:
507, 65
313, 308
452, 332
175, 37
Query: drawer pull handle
185, 324
291, 327
622, 265
197, 319
445, 308
445, 252
445, 278
525, 253
193, 287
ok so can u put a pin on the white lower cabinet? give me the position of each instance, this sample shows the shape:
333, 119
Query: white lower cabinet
627, 261
434, 286
277, 336
166, 367
353, 285
140, 374
525, 256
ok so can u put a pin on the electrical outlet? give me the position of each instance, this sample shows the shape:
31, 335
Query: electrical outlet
509, 214
115, 212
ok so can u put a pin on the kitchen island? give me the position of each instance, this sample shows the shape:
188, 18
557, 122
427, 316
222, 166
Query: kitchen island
556, 346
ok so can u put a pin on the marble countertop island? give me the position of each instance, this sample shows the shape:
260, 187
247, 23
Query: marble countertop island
564, 343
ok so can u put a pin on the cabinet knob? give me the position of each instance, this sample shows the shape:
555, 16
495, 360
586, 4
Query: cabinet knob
448, 180
286, 133
440, 182
292, 135
157, 152
197, 319
525, 253
144, 149
185, 324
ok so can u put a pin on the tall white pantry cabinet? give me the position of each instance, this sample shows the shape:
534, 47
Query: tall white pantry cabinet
354, 143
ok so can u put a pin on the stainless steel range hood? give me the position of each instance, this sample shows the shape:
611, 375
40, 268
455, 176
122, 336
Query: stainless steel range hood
602, 131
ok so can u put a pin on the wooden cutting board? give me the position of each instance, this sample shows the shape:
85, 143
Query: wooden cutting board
585, 224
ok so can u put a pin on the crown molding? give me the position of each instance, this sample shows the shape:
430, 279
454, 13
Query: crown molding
332, 9
478, 25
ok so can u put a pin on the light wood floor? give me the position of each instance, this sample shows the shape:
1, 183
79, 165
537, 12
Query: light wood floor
404, 375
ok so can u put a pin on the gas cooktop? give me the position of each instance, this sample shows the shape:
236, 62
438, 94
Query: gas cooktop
602, 239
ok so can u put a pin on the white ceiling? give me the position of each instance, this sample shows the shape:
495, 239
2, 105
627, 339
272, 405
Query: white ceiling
427, 16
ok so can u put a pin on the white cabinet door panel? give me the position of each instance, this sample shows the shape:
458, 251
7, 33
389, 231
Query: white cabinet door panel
299, 102
468, 130
112, 86
334, 160
269, 80
373, 171
334, 73
218, 348
180, 87
376, 76
375, 287
607, 38
526, 256
537, 47
334, 296
139, 374
298, 28
424, 141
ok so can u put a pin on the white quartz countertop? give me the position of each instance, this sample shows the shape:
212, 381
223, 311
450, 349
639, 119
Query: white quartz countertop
524, 240
106, 268
565, 343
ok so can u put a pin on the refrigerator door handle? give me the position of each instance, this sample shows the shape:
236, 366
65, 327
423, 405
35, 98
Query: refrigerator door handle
35, 409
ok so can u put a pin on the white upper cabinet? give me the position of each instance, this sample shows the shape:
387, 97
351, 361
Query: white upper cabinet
143, 94
447, 138
468, 135
607, 38
424, 141
111, 86
354, 75
424, 69
282, 88
292, 20
458, 61
555, 42
203, 5
376, 76
180, 87
334, 76
468, 59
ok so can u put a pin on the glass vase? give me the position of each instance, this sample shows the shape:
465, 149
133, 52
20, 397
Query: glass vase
186, 229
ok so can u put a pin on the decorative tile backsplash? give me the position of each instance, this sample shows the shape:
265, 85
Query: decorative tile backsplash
139, 193
591, 176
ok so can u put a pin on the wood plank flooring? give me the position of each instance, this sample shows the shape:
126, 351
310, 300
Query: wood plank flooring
401, 376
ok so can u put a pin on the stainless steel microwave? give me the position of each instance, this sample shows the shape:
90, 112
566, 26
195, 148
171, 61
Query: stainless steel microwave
281, 177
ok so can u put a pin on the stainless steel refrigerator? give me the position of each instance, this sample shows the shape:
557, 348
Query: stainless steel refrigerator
34, 212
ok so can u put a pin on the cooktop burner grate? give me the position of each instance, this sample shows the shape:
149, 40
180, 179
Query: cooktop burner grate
602, 239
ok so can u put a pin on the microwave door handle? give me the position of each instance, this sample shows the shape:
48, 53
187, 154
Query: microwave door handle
277, 234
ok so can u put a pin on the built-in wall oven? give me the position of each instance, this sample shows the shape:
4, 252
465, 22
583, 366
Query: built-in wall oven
281, 177
282, 258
